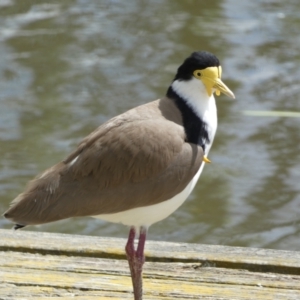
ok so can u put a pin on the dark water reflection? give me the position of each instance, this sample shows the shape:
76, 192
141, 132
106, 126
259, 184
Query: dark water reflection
67, 66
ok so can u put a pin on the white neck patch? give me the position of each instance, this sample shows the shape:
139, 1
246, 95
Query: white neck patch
195, 95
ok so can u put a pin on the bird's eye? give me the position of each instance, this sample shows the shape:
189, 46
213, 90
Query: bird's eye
197, 74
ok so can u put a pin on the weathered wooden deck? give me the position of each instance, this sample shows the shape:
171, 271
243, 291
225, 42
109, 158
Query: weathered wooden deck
58, 266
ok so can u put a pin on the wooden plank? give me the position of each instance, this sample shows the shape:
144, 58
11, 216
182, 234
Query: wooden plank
265, 260
170, 287
40, 265
179, 271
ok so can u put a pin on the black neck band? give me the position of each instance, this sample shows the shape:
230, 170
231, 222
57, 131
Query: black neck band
195, 128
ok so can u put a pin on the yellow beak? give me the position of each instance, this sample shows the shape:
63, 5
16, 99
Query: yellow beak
211, 78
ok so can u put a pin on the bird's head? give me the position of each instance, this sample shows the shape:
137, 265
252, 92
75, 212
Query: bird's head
206, 67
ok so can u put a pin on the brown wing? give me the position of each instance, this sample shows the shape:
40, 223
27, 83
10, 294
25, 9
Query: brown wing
133, 160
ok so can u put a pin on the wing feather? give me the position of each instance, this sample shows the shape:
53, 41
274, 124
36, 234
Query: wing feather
128, 162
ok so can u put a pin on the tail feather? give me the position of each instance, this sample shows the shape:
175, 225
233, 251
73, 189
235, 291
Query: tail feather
18, 226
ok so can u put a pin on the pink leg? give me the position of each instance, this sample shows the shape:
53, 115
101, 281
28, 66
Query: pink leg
136, 260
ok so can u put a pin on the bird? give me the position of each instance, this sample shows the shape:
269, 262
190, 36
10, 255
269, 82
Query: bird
138, 167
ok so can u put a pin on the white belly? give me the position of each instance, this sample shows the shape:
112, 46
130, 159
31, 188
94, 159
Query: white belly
148, 215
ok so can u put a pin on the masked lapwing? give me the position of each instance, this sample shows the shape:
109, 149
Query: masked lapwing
138, 167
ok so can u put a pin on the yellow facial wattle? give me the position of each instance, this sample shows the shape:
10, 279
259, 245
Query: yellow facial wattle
211, 78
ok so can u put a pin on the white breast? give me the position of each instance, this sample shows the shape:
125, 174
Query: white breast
148, 215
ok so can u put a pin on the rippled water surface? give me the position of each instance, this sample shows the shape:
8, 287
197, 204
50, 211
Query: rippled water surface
67, 66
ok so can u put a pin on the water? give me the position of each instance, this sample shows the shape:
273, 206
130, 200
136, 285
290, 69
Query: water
67, 66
